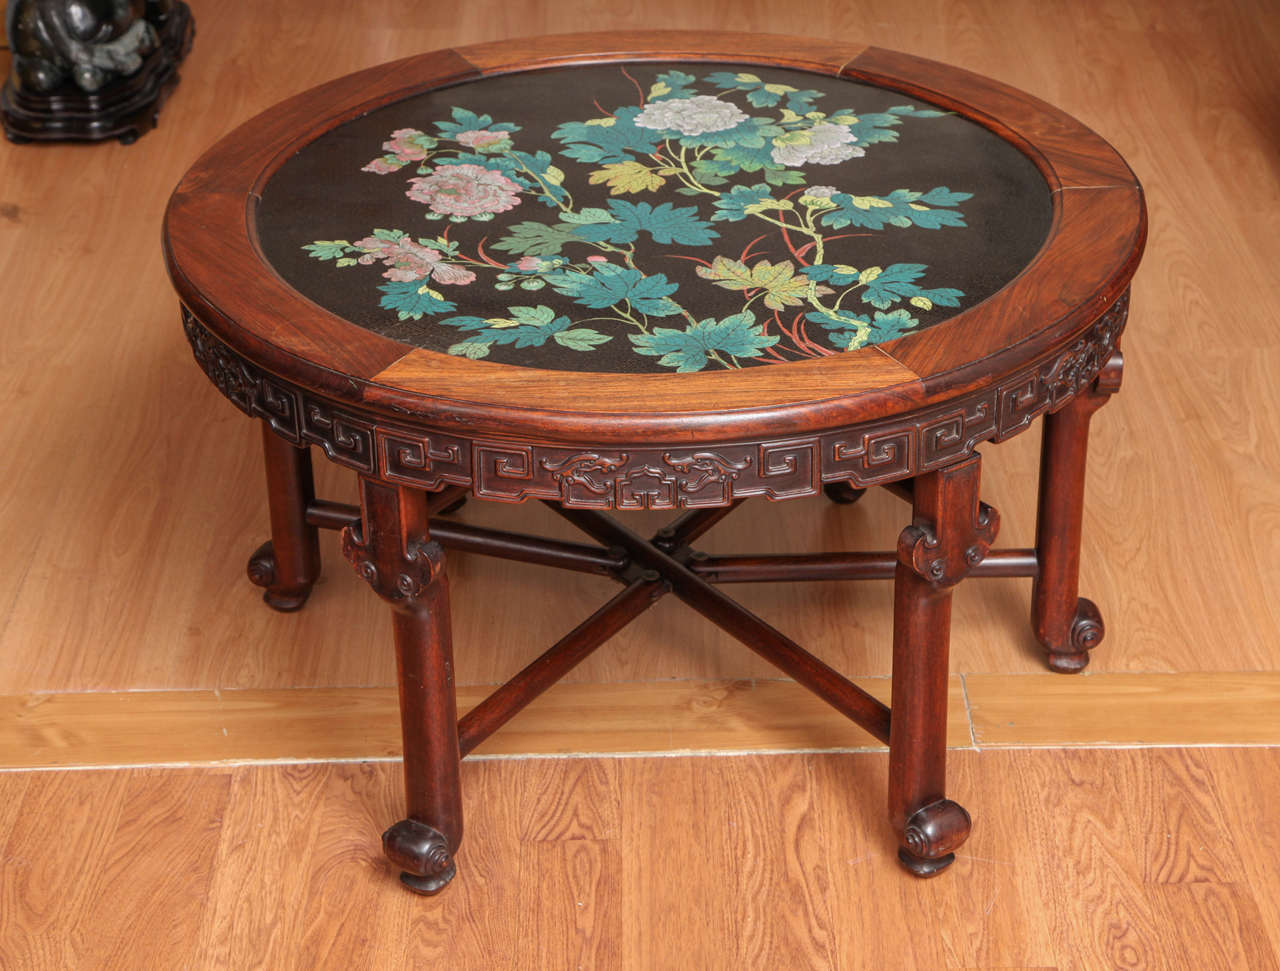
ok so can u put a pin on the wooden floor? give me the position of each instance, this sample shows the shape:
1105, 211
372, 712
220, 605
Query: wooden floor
132, 496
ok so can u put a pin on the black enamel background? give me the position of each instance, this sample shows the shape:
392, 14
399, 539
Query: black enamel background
322, 194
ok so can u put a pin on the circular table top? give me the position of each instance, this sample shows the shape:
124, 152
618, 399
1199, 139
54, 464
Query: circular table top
635, 241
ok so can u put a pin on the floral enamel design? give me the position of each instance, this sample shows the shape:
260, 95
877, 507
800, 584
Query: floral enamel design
742, 153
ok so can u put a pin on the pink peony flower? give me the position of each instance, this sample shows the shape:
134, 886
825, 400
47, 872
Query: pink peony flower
381, 166
403, 146
528, 263
406, 260
465, 190
482, 139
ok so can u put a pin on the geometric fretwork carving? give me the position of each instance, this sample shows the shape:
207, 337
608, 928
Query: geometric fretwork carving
662, 477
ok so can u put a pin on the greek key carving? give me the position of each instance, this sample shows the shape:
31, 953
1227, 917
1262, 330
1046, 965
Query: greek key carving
662, 477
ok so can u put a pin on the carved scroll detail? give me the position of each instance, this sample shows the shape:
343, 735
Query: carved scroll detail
402, 581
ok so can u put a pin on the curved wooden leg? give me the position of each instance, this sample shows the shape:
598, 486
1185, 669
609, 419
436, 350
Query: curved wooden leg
950, 533
392, 550
288, 564
1067, 625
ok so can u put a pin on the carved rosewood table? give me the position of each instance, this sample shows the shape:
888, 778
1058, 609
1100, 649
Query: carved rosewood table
663, 271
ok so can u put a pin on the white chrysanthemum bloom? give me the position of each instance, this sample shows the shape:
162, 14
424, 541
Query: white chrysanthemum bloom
827, 144
698, 115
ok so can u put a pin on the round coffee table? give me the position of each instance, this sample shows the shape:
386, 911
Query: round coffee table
663, 271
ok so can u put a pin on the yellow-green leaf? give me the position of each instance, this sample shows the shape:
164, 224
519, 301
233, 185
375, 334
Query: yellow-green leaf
629, 176
553, 175
844, 269
659, 89
870, 202
498, 323
782, 288
746, 79
603, 122
869, 274
778, 88
924, 303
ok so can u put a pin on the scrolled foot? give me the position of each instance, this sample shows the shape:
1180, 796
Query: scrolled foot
422, 853
1087, 631
932, 836
262, 573
842, 492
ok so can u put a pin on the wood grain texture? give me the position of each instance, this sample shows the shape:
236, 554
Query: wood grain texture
1148, 709
716, 863
159, 727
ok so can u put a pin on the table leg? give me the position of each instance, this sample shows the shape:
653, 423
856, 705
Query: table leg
950, 533
1068, 626
391, 548
288, 563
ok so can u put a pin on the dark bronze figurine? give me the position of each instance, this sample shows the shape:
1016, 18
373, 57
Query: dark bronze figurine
91, 69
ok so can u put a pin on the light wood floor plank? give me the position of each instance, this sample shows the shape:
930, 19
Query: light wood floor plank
171, 727
755, 861
359, 723
1214, 708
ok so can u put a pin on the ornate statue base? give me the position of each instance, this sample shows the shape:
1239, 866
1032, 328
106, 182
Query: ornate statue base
124, 107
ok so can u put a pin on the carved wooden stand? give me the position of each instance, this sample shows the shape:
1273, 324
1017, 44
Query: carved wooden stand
397, 544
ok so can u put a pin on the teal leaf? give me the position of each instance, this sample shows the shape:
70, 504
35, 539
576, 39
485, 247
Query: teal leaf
748, 158
665, 223
840, 320
690, 349
464, 120
898, 208
893, 283
610, 285
413, 299
581, 338
677, 84
942, 196
607, 143
836, 275
943, 296
914, 112
731, 206
893, 324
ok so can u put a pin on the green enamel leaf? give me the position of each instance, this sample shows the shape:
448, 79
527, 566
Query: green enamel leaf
327, 249
581, 338
538, 316
472, 349
535, 239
